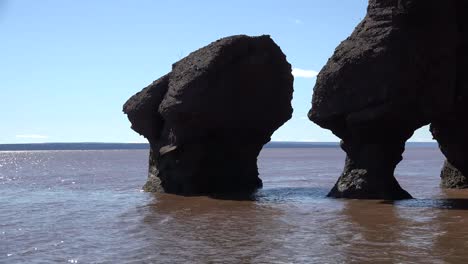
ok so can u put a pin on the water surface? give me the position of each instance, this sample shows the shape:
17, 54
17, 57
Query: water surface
87, 207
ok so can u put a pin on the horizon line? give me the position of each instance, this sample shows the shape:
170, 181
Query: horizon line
113, 142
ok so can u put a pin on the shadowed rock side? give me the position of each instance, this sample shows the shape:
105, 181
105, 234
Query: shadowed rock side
382, 83
453, 142
208, 119
451, 131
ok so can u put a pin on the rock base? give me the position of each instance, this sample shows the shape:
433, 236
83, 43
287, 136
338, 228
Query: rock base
359, 183
368, 170
452, 178
206, 168
453, 143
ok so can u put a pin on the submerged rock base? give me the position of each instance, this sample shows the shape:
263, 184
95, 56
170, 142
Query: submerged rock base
207, 168
452, 136
368, 173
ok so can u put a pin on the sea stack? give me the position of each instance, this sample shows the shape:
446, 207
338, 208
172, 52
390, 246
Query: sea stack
207, 120
451, 129
402, 68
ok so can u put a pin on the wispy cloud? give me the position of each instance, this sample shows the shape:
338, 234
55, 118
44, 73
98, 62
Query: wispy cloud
298, 21
300, 73
33, 136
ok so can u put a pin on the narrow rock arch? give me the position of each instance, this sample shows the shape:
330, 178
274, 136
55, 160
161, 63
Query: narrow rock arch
402, 68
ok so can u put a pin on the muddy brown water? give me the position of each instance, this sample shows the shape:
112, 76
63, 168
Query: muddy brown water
87, 207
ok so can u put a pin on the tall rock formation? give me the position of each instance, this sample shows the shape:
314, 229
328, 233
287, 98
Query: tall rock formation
398, 71
208, 119
451, 130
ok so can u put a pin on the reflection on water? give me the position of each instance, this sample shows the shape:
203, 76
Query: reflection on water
237, 232
448, 203
86, 207
440, 223
273, 228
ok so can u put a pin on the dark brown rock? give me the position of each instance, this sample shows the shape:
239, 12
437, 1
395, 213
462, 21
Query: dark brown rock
208, 119
368, 172
395, 73
451, 135
452, 178
451, 130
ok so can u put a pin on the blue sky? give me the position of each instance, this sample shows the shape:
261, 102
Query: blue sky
68, 66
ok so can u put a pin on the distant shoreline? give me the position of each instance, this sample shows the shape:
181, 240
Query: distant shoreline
130, 146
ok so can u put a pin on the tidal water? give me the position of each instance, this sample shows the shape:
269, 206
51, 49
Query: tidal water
87, 207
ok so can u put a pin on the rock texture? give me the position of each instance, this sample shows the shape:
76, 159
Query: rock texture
208, 119
399, 70
452, 135
451, 130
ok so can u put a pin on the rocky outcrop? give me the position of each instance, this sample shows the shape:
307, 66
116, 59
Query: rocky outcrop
208, 119
398, 71
452, 135
451, 130
452, 178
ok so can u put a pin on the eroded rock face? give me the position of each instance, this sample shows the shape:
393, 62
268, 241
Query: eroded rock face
452, 178
451, 130
208, 119
395, 73
452, 136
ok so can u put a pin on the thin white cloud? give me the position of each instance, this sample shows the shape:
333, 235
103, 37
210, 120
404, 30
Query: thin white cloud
300, 73
297, 21
33, 136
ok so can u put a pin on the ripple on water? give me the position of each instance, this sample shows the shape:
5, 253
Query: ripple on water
104, 218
